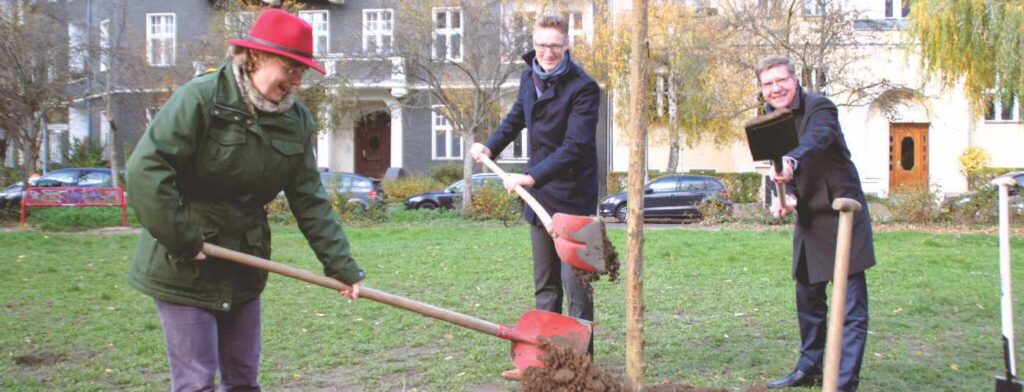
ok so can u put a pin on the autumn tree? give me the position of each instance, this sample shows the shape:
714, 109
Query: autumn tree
33, 74
464, 53
978, 42
818, 35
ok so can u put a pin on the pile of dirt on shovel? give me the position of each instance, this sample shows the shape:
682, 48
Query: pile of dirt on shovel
571, 371
611, 263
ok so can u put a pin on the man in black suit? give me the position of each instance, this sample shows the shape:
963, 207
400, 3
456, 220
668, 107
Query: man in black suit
819, 170
558, 104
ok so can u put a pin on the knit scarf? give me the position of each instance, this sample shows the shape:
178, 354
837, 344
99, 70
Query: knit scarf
252, 97
541, 79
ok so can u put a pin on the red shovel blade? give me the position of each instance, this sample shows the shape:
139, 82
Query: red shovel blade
574, 254
549, 328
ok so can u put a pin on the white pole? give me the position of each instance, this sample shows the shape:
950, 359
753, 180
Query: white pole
1005, 294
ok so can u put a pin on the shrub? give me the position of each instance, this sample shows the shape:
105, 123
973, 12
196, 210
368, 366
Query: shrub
762, 216
918, 208
494, 203
972, 160
742, 187
404, 216
446, 174
981, 208
84, 153
980, 178
72, 218
279, 212
715, 212
354, 212
400, 189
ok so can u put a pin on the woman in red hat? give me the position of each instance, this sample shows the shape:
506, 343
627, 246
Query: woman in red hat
219, 150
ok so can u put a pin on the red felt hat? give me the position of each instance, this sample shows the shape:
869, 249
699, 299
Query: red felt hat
278, 32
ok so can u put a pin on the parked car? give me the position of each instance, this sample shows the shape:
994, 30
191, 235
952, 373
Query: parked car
985, 201
675, 196
359, 189
86, 177
450, 196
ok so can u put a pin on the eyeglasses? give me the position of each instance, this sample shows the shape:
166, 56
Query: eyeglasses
291, 67
554, 48
769, 84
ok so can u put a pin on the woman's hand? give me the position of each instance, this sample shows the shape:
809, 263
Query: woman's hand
352, 293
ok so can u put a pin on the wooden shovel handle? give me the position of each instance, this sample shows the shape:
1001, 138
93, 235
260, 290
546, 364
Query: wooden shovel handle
366, 292
833, 345
545, 218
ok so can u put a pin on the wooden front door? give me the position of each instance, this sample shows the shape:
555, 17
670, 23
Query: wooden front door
908, 158
373, 144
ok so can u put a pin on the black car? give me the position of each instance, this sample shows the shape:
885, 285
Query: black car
359, 189
677, 196
450, 196
86, 177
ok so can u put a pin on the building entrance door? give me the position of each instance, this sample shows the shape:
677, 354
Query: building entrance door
373, 144
908, 158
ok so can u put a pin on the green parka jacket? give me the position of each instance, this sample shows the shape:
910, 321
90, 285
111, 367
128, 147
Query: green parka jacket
203, 171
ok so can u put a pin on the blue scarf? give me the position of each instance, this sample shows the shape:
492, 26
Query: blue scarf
541, 79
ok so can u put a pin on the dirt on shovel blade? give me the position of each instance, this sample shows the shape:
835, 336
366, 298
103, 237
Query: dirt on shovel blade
611, 267
568, 370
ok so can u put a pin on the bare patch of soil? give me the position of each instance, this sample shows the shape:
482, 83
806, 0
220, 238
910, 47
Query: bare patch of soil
38, 359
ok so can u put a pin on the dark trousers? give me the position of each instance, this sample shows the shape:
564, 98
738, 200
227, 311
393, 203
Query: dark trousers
201, 341
553, 279
812, 308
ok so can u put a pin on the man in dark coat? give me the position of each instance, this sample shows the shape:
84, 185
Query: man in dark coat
819, 170
558, 104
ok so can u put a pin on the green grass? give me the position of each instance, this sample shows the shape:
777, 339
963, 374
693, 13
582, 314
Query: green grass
719, 311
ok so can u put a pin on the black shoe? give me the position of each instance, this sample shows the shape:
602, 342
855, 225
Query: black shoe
796, 379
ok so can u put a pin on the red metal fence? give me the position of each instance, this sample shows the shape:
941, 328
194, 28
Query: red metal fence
74, 197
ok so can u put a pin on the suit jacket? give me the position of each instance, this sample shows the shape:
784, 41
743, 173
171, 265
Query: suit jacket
562, 130
825, 172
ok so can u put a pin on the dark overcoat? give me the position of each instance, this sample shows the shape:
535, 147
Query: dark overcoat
824, 173
562, 130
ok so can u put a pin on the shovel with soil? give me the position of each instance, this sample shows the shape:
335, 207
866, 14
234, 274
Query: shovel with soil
580, 241
536, 332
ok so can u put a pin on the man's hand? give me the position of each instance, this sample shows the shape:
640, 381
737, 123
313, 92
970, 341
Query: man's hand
523, 180
477, 150
351, 294
787, 172
199, 256
780, 211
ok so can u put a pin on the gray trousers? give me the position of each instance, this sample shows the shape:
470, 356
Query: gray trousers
552, 279
201, 341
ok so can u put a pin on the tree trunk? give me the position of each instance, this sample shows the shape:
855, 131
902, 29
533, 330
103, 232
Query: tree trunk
637, 174
467, 175
675, 131
112, 137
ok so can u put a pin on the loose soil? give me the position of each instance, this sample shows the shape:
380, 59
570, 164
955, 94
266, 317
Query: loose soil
571, 371
38, 359
611, 263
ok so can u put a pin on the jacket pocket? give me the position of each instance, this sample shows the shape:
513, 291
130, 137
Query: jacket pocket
224, 151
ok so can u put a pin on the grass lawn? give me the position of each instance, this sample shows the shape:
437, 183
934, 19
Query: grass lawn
719, 311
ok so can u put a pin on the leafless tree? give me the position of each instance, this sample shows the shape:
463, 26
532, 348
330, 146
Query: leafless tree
33, 73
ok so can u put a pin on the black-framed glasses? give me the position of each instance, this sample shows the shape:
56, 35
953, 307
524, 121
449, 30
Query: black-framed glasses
549, 47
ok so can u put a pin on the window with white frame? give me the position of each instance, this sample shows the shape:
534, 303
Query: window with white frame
321, 29
577, 29
445, 143
704, 7
447, 43
814, 7
518, 150
237, 24
378, 30
161, 38
151, 114
104, 45
816, 78
999, 110
76, 48
897, 8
